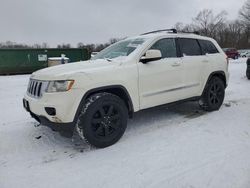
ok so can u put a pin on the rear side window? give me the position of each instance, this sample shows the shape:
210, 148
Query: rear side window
208, 47
166, 46
189, 47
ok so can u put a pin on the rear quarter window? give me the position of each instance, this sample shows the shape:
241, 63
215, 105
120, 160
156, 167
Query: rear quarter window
189, 47
208, 47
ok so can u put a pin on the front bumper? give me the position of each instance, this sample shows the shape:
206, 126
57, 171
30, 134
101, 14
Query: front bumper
65, 128
64, 103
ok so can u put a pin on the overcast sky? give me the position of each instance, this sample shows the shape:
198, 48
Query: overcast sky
96, 21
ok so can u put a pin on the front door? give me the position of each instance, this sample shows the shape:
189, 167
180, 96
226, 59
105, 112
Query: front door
160, 81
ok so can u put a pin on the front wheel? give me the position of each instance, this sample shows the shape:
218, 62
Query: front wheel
103, 120
213, 95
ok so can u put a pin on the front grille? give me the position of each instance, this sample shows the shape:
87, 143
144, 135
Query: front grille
36, 88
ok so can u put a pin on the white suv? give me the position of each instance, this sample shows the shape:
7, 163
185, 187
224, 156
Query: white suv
96, 97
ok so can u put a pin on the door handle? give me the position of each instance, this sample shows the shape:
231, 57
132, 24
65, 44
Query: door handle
205, 61
176, 64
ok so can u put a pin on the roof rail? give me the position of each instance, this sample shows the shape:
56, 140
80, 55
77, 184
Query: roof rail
157, 31
171, 30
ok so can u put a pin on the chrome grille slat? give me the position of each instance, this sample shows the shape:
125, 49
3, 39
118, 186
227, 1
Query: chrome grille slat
32, 87
28, 86
39, 89
34, 91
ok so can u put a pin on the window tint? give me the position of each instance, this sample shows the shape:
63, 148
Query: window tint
190, 47
167, 47
208, 47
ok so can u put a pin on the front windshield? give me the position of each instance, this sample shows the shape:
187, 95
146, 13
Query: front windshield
123, 48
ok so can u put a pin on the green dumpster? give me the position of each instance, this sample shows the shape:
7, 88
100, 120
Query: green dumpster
18, 61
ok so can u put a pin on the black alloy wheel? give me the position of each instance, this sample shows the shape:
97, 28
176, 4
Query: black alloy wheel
216, 93
213, 95
103, 120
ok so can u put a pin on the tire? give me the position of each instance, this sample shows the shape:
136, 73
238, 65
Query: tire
213, 95
248, 73
103, 120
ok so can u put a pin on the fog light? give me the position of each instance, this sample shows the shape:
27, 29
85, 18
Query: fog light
50, 111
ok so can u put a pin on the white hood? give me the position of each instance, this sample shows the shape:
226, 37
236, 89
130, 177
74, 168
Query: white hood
66, 70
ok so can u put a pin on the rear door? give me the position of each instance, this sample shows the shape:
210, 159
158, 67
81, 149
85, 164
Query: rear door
213, 56
193, 64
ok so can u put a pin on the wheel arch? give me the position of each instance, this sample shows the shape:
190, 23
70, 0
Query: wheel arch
220, 74
117, 90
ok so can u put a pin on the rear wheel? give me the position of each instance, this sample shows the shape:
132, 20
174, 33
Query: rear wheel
213, 95
248, 73
103, 120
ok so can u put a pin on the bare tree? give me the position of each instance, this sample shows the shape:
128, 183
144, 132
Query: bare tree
97, 47
45, 45
114, 40
208, 23
185, 27
80, 45
10, 44
64, 45
234, 33
37, 46
245, 13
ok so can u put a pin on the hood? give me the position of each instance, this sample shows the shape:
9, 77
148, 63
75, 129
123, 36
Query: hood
65, 71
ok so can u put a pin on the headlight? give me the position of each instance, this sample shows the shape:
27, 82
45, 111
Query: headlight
59, 86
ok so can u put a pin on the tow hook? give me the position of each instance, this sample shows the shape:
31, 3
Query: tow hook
37, 124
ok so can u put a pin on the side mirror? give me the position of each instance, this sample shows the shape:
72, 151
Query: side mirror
151, 55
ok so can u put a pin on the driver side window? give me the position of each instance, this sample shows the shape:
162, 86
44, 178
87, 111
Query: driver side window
166, 46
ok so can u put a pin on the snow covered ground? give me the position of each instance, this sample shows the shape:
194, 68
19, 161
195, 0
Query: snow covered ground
178, 146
